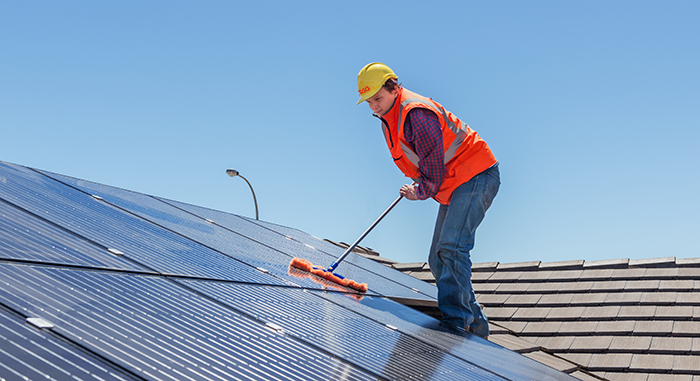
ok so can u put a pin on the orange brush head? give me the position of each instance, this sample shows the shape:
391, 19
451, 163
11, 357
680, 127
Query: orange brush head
321, 272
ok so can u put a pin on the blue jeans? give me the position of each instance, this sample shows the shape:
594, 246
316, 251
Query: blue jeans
449, 253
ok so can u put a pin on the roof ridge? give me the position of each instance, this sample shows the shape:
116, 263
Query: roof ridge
620, 263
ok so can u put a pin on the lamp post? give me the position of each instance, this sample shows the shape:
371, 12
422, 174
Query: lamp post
234, 173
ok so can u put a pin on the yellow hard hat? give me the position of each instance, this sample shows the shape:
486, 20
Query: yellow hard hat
371, 78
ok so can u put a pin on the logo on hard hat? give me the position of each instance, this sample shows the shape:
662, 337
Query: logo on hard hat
364, 90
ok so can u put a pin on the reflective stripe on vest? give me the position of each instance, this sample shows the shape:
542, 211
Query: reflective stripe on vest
460, 133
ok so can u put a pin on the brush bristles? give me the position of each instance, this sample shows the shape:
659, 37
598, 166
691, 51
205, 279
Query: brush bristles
323, 273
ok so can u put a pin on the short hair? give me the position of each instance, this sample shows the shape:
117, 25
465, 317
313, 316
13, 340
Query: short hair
391, 84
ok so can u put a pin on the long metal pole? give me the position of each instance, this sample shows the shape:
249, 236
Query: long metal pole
349, 249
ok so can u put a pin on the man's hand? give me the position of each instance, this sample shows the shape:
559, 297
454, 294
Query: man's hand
409, 191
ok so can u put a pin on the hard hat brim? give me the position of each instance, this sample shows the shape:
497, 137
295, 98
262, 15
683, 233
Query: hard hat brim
367, 95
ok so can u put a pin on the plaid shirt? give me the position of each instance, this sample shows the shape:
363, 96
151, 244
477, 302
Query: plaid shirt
423, 134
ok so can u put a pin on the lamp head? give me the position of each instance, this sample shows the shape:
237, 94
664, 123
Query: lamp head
232, 172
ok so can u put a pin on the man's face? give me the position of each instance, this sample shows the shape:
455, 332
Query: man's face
381, 102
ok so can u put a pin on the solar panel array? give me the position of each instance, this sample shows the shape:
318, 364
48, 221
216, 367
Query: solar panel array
102, 283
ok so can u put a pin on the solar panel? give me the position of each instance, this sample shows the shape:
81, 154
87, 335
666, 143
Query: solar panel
416, 324
354, 266
105, 226
248, 242
369, 326
99, 282
28, 238
152, 327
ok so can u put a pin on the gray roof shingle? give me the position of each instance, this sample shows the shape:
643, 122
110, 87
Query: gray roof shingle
617, 320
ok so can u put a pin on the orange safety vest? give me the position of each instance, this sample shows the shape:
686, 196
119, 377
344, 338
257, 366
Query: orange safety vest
466, 154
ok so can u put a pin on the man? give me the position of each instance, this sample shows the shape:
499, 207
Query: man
448, 162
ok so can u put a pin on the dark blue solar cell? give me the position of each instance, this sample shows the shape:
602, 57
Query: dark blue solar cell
250, 242
26, 237
30, 353
159, 249
158, 329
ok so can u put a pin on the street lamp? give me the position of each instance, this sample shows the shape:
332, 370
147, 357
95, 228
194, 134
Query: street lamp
234, 173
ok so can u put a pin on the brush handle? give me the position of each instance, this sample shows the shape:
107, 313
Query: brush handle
369, 229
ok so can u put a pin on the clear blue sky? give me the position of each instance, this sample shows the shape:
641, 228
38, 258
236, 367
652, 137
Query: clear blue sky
592, 108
